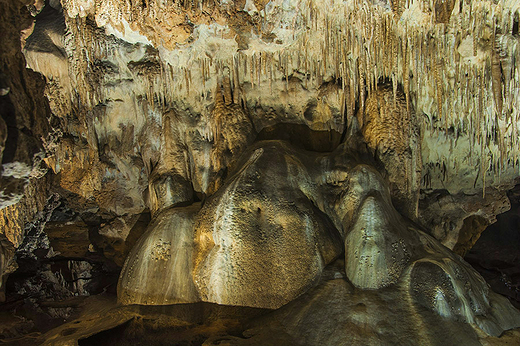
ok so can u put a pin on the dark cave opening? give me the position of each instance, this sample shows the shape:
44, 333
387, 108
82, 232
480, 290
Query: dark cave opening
496, 254
302, 136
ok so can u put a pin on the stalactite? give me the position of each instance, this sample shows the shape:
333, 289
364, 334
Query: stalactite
406, 76
480, 109
187, 80
496, 72
251, 69
344, 114
361, 45
259, 68
475, 36
438, 86
286, 72
361, 88
395, 59
484, 167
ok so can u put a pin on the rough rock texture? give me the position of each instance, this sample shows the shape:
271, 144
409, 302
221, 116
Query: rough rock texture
333, 313
7, 263
392, 111
247, 231
495, 253
376, 251
13, 221
336, 313
24, 109
244, 236
24, 114
450, 216
389, 128
200, 80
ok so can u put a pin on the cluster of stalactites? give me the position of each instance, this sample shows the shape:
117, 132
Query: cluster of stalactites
457, 68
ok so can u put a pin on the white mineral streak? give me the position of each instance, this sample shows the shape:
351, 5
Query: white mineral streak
128, 35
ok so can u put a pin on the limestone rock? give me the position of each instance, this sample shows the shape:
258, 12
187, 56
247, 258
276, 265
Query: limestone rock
376, 252
24, 111
158, 270
389, 127
70, 239
495, 253
457, 291
155, 105
117, 237
247, 231
7, 263
448, 217
13, 220
238, 70
337, 313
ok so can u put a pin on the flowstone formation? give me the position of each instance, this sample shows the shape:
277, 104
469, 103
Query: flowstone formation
264, 239
212, 161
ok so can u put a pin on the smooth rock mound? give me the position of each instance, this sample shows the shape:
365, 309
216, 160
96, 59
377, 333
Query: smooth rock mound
261, 242
375, 254
158, 270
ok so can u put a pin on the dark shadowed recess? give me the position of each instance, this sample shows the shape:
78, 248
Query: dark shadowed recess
302, 136
48, 22
62, 260
181, 324
496, 254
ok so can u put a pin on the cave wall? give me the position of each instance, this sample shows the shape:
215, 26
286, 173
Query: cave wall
24, 121
125, 88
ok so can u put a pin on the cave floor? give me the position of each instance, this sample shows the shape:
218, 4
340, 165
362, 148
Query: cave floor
332, 313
